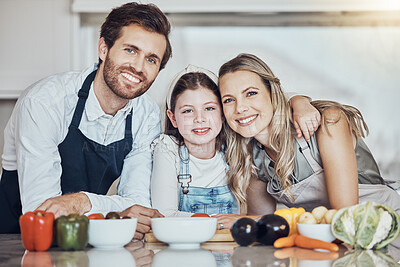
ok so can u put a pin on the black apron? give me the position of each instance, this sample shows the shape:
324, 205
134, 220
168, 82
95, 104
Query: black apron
86, 165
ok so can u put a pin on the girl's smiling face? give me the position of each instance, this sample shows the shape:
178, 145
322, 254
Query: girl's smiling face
198, 117
246, 103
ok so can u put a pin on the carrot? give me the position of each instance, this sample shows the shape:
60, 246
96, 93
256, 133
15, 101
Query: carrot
306, 242
285, 242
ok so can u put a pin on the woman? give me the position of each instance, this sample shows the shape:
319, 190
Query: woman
335, 169
189, 169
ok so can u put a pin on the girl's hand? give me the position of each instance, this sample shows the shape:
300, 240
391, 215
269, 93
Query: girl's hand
225, 221
306, 118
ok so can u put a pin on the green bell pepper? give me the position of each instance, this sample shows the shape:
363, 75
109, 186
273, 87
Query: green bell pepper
72, 232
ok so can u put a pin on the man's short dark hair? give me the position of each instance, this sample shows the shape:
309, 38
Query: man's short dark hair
148, 16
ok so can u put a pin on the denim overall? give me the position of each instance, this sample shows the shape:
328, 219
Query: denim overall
211, 200
86, 165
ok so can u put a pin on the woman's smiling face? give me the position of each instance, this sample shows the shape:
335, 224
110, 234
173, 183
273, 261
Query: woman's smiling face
246, 103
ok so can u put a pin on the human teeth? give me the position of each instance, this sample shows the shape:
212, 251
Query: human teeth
130, 77
248, 119
200, 130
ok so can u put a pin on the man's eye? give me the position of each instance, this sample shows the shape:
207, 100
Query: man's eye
228, 100
151, 60
210, 108
187, 111
130, 50
251, 93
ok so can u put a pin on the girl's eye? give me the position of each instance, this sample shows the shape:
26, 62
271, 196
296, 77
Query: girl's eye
251, 93
228, 100
210, 108
187, 111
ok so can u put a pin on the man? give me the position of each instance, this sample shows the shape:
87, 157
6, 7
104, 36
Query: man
71, 135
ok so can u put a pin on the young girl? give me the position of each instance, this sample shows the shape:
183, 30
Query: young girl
335, 169
189, 169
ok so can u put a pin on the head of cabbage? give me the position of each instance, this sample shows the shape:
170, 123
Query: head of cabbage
367, 225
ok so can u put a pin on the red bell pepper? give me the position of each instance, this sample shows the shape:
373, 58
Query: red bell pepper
37, 230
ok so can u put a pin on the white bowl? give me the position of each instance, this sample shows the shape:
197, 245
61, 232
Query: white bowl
184, 232
317, 231
111, 233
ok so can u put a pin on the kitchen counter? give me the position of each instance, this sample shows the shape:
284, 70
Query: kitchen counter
138, 253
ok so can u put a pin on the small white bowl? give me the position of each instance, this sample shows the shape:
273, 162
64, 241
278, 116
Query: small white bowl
317, 231
184, 232
111, 233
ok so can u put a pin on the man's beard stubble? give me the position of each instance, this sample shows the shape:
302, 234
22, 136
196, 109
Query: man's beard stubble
111, 73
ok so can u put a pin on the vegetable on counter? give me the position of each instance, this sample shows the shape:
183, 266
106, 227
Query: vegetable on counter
270, 228
319, 215
113, 215
96, 216
244, 231
368, 225
285, 242
37, 230
292, 216
72, 232
200, 215
307, 242
304, 242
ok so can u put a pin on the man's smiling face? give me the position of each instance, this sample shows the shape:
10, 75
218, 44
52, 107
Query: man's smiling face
133, 62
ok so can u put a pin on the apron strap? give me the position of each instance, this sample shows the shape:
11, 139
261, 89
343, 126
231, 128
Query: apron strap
184, 178
83, 95
306, 151
128, 126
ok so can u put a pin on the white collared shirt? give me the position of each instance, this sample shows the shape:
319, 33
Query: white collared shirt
39, 123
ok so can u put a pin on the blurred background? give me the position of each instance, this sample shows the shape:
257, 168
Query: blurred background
346, 51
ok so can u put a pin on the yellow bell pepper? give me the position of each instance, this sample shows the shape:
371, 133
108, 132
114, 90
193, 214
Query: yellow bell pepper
292, 216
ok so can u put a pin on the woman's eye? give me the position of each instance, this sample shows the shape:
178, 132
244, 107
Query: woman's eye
187, 111
210, 108
251, 93
228, 100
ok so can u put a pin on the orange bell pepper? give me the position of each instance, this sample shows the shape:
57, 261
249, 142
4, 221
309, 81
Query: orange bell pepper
37, 230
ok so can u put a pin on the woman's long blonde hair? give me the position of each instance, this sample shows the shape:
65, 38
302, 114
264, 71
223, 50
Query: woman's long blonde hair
282, 133
281, 138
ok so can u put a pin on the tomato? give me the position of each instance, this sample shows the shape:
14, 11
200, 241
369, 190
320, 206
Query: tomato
96, 216
200, 215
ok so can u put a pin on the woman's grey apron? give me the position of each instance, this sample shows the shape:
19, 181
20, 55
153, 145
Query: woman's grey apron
311, 192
